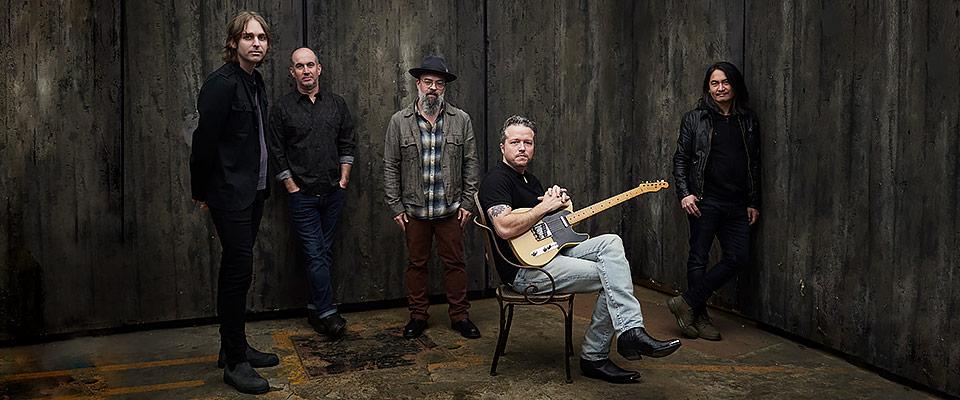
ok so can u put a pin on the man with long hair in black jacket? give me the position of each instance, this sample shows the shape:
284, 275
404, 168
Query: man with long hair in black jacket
228, 174
717, 173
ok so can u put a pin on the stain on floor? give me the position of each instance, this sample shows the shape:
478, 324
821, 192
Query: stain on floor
366, 349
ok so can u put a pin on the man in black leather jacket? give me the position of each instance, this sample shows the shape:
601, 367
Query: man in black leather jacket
717, 173
228, 173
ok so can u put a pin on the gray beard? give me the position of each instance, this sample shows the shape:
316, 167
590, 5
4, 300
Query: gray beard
430, 106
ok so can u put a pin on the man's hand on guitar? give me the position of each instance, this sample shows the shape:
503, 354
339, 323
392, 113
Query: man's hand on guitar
689, 204
554, 198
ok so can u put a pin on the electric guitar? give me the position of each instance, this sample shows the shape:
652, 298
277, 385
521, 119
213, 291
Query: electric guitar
544, 240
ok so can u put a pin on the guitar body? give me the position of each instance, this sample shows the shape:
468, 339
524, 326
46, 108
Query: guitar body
541, 243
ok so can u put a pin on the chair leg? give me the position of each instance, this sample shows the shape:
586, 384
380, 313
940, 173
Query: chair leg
569, 332
567, 346
501, 340
503, 347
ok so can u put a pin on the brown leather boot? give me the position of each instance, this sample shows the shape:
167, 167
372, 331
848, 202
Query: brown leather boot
704, 326
684, 314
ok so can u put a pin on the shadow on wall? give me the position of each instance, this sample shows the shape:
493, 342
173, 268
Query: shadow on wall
21, 300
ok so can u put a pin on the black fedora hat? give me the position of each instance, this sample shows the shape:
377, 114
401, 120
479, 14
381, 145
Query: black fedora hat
433, 65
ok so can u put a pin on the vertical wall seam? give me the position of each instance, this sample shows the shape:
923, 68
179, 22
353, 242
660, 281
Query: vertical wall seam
743, 39
303, 13
486, 118
486, 86
123, 120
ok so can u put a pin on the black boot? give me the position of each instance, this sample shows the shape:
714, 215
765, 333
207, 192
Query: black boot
634, 342
245, 379
332, 325
608, 371
256, 358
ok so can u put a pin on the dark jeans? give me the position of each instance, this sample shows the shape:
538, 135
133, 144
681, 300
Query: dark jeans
315, 219
727, 221
419, 235
237, 231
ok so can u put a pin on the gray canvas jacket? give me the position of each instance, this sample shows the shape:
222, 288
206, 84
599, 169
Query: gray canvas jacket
402, 178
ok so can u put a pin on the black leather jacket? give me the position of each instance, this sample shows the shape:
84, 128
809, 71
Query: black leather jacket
693, 149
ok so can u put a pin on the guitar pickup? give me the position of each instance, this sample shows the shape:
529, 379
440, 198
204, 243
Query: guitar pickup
541, 231
544, 249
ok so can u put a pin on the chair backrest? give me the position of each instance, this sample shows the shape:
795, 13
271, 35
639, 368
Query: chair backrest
490, 245
487, 232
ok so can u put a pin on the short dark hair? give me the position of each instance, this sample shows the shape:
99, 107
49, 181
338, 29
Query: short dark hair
235, 31
516, 120
741, 97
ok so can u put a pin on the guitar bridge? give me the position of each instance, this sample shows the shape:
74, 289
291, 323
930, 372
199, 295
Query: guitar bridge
541, 231
544, 249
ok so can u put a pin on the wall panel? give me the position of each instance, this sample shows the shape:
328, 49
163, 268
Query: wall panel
368, 65
675, 43
61, 151
172, 242
856, 247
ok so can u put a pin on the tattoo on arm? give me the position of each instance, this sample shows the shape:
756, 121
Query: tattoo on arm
495, 211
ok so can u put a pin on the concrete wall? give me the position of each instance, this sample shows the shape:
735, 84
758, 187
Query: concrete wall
856, 244
859, 246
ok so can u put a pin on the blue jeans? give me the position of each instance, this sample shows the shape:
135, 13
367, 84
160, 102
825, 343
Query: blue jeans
598, 264
315, 220
727, 221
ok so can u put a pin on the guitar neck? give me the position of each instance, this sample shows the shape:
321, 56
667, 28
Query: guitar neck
586, 212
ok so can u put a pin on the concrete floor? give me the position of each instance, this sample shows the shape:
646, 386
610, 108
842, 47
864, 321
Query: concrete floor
181, 363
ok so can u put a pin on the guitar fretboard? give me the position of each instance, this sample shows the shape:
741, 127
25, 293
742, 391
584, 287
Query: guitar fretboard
583, 213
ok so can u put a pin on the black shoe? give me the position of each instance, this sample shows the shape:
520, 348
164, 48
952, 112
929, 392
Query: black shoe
256, 358
332, 325
634, 342
245, 379
608, 371
414, 328
466, 328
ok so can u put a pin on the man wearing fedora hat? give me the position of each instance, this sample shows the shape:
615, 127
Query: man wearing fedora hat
430, 174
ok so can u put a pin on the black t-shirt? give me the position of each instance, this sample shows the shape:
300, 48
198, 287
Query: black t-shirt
504, 186
726, 171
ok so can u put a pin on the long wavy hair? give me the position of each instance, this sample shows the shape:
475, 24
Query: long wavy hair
741, 97
235, 31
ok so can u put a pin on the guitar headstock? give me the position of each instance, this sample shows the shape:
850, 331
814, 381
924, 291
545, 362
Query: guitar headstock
653, 186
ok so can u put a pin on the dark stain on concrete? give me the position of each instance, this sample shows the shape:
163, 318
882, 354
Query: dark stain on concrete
368, 349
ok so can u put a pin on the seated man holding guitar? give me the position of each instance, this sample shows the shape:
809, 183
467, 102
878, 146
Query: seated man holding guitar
595, 264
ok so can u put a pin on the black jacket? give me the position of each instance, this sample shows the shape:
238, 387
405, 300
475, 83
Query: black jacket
225, 161
693, 149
